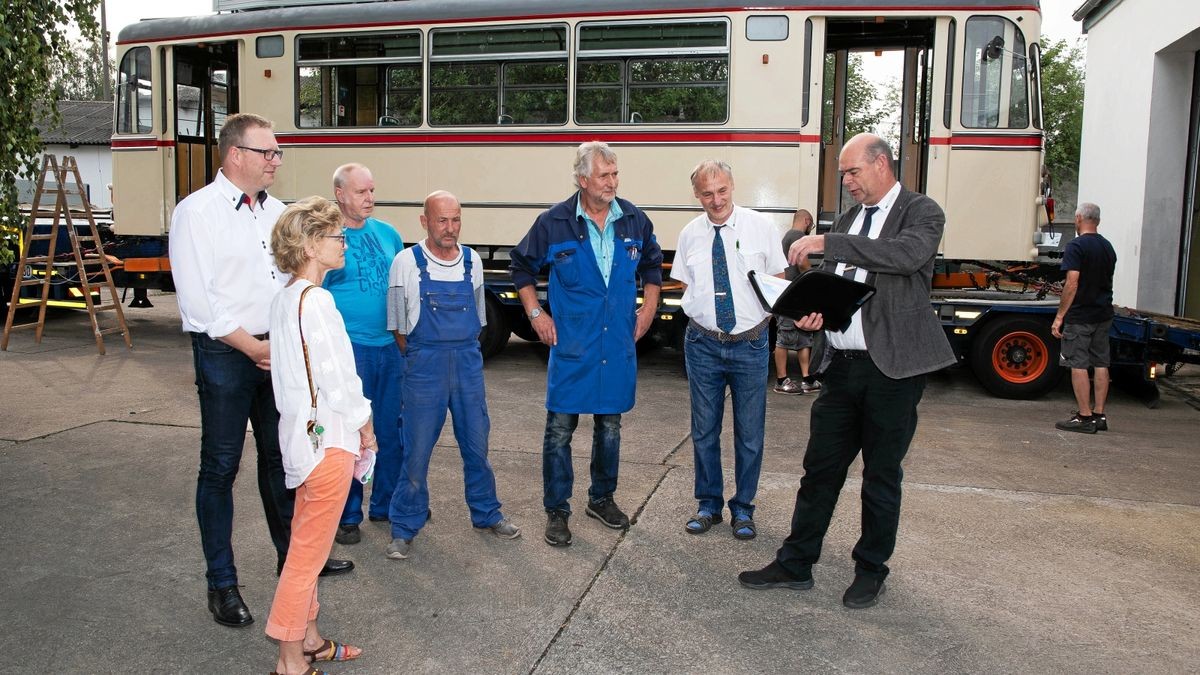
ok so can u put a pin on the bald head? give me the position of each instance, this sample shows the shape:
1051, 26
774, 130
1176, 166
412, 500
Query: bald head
802, 220
866, 168
442, 219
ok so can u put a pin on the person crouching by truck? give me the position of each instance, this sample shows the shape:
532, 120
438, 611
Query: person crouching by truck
325, 431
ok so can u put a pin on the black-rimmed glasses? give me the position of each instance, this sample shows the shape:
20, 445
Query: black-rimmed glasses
340, 237
267, 153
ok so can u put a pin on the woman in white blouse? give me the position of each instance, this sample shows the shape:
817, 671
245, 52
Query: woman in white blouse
325, 447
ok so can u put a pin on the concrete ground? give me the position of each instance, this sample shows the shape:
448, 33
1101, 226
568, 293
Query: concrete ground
1021, 549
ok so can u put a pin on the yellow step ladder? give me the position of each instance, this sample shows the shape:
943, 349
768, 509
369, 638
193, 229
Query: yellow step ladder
90, 266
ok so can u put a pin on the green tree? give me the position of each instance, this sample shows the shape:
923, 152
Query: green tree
1062, 105
35, 44
80, 75
863, 109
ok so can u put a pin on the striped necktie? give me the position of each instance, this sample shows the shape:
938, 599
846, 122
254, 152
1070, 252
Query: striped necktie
850, 270
726, 318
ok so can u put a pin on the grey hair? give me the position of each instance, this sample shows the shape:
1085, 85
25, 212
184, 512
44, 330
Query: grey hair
711, 167
1089, 212
340, 174
585, 156
876, 147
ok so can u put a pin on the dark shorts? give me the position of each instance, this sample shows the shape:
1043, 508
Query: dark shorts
1085, 344
789, 337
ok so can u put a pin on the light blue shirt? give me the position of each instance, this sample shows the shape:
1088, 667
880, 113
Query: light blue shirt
360, 289
603, 241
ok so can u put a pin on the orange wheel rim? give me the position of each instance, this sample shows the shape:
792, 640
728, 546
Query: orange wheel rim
1020, 357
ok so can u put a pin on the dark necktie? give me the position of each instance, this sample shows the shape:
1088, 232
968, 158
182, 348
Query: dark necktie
850, 270
726, 319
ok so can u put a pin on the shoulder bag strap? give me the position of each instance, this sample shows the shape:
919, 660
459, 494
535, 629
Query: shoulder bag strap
312, 390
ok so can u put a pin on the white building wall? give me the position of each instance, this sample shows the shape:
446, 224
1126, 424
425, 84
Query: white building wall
1140, 62
95, 168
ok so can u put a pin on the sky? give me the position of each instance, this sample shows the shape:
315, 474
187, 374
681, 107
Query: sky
1056, 14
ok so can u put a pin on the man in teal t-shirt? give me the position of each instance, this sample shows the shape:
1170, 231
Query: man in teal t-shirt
360, 292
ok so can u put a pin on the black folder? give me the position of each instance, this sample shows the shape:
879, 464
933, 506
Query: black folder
833, 296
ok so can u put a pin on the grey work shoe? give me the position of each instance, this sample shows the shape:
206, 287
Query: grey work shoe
398, 549
505, 529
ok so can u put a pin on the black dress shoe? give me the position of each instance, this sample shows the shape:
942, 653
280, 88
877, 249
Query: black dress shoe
775, 576
334, 567
228, 608
863, 593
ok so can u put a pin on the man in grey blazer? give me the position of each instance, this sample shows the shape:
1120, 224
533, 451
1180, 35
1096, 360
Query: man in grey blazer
874, 371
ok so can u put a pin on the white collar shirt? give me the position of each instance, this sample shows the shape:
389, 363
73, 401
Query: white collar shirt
220, 248
751, 242
853, 337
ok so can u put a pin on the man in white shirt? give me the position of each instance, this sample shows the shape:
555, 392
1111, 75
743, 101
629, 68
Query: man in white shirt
225, 279
435, 311
727, 341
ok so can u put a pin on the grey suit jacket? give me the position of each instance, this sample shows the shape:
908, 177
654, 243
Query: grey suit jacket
904, 336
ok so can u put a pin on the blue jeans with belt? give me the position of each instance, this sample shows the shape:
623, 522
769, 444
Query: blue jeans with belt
381, 370
558, 476
232, 390
713, 366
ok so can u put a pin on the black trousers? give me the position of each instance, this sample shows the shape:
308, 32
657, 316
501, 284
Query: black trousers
859, 408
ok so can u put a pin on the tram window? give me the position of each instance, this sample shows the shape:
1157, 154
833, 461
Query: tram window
268, 46
511, 75
1018, 98
766, 28
664, 73
133, 92
1035, 77
360, 80
989, 98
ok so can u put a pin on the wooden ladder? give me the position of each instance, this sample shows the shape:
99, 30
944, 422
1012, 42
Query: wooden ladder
93, 275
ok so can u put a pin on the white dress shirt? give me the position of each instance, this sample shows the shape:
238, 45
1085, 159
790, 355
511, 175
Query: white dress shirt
225, 275
341, 407
404, 296
852, 337
751, 243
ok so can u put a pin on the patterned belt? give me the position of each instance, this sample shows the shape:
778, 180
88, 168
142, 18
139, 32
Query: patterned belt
851, 354
744, 336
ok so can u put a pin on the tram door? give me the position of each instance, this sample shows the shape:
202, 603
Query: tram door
877, 79
205, 94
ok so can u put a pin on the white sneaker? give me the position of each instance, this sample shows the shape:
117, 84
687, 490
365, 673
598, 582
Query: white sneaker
810, 387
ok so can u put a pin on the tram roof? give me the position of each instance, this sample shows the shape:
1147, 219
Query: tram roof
364, 15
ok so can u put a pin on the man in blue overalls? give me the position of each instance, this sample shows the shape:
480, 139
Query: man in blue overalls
436, 310
595, 245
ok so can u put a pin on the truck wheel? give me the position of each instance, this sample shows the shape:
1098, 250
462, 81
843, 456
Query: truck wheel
494, 336
1016, 357
522, 329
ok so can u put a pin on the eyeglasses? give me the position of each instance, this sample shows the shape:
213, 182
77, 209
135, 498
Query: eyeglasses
266, 153
340, 237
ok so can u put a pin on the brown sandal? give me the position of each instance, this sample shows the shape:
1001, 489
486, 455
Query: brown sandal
331, 651
310, 671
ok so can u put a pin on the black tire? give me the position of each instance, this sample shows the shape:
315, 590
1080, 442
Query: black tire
494, 336
523, 329
1016, 357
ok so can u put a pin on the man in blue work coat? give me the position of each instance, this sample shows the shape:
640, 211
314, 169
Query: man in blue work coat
595, 245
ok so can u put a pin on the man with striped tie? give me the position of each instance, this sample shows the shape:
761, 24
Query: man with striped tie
874, 370
726, 343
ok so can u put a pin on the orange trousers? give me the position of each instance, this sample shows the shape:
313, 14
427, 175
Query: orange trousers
319, 502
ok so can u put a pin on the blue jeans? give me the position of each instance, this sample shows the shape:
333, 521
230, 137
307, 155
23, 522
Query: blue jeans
437, 380
558, 476
381, 370
712, 366
233, 390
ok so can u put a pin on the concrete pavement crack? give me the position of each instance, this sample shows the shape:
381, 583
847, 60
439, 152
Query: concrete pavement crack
600, 571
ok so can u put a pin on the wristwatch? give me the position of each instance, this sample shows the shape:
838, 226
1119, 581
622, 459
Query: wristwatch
537, 311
